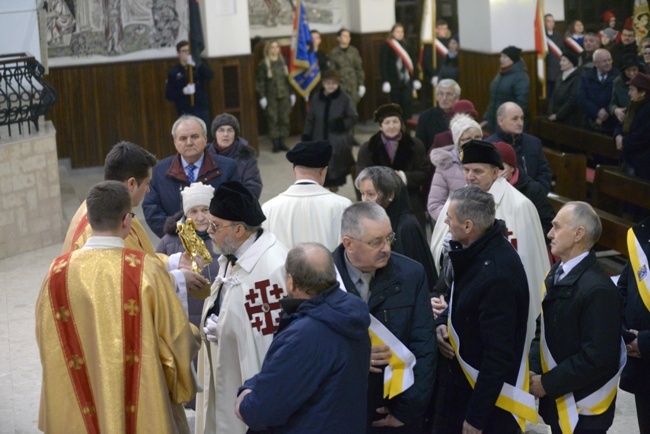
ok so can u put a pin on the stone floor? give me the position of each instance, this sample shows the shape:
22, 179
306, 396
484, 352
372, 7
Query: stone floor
21, 277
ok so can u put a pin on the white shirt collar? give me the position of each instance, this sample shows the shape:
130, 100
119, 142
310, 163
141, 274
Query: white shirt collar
101, 242
305, 181
571, 264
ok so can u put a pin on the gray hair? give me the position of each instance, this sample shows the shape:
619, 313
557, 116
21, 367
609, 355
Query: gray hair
583, 214
383, 178
448, 82
311, 266
476, 205
351, 221
184, 118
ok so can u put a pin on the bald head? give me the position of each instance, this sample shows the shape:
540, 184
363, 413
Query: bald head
510, 118
310, 270
603, 60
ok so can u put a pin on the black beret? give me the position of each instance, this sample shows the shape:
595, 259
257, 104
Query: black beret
387, 110
311, 154
572, 57
479, 151
233, 202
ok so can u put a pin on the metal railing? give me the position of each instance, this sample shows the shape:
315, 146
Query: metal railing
24, 94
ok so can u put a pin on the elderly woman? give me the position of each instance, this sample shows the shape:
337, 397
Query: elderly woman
633, 136
228, 143
393, 148
276, 98
621, 92
331, 117
563, 106
383, 186
449, 175
196, 205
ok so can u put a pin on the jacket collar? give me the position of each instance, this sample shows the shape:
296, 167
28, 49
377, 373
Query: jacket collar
209, 169
563, 287
462, 257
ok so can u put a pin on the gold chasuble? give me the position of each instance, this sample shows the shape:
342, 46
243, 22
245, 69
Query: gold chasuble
115, 345
79, 231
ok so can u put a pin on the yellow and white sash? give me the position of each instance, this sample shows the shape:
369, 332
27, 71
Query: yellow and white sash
639, 263
398, 375
514, 399
593, 404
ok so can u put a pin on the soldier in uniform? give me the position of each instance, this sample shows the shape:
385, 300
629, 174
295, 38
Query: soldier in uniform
276, 98
345, 59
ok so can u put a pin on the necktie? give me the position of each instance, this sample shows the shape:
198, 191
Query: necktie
232, 259
364, 286
190, 172
558, 273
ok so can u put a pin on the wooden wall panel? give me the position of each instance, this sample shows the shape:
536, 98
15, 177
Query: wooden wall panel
477, 70
369, 45
100, 105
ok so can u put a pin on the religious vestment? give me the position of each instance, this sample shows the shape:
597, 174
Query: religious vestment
525, 233
306, 213
246, 295
115, 344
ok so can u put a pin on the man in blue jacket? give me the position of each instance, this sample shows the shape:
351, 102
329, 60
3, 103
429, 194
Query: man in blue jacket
315, 375
192, 163
396, 290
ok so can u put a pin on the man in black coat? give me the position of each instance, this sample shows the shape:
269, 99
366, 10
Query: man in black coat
530, 155
636, 323
552, 60
581, 320
488, 312
627, 44
436, 119
596, 93
396, 290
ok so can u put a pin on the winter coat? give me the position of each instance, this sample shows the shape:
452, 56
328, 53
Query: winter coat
410, 157
170, 244
534, 191
399, 299
318, 365
582, 315
332, 117
530, 155
246, 159
595, 95
564, 102
168, 179
448, 177
620, 97
512, 85
489, 314
636, 143
636, 375
430, 123
410, 239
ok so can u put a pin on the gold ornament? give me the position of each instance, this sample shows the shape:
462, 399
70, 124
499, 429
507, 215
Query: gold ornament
193, 244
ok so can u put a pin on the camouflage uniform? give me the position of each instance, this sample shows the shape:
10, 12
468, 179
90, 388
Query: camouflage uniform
277, 92
348, 64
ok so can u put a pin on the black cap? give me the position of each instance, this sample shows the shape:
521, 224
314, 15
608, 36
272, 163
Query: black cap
233, 202
571, 56
311, 154
387, 110
479, 151
514, 53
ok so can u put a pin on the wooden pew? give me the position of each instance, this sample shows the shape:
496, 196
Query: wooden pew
612, 188
562, 136
614, 235
566, 169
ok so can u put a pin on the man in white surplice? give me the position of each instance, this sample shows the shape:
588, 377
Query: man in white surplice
482, 163
306, 211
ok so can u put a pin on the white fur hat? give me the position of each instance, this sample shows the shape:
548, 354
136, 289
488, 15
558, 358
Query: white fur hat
461, 123
197, 194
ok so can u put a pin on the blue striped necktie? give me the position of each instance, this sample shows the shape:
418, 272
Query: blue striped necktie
190, 172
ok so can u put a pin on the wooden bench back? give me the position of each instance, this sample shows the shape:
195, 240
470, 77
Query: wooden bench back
568, 172
612, 187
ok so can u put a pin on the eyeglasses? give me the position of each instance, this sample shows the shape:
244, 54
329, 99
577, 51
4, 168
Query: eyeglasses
216, 228
378, 243
132, 214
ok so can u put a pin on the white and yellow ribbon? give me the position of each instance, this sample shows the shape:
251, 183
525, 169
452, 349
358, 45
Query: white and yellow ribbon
593, 404
639, 263
398, 375
514, 399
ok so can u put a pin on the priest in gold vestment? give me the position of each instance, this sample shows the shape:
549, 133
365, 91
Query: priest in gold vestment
114, 341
